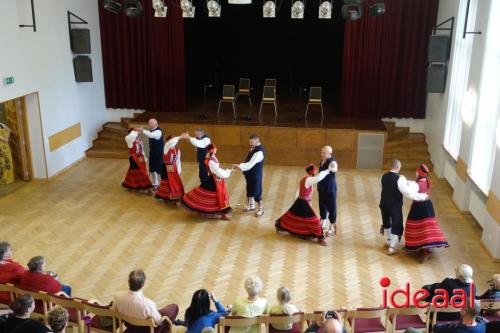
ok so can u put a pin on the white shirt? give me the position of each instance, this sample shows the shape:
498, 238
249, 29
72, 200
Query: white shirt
134, 304
410, 189
310, 181
256, 158
170, 144
154, 134
200, 143
216, 170
130, 138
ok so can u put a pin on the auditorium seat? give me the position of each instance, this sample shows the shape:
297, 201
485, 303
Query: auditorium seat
135, 325
74, 307
6, 294
363, 320
42, 300
225, 323
403, 318
297, 320
94, 312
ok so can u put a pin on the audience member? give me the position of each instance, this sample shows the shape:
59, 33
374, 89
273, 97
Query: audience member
327, 322
492, 293
19, 321
470, 322
58, 319
283, 307
36, 278
250, 306
199, 316
10, 271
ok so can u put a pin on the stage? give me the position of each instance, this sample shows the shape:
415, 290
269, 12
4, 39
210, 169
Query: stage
288, 138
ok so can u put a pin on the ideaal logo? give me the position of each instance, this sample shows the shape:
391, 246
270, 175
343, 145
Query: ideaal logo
441, 298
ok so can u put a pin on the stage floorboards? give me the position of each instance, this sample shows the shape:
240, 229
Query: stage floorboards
93, 232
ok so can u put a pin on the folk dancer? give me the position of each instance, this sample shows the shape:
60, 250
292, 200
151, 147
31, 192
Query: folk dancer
327, 190
137, 177
171, 189
200, 142
155, 135
252, 169
211, 198
301, 220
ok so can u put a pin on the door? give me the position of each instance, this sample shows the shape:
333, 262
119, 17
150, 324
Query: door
14, 110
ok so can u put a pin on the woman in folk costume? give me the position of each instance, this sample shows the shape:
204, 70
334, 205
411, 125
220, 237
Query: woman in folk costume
171, 189
210, 199
137, 177
300, 220
422, 230
6, 163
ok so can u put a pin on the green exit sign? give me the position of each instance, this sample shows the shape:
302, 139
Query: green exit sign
8, 80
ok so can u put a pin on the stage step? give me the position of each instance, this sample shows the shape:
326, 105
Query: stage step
107, 153
398, 132
110, 142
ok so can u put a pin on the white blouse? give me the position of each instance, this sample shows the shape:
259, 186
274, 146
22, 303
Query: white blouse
171, 144
218, 171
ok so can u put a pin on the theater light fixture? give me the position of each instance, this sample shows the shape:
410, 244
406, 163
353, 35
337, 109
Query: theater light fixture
160, 8
352, 10
187, 8
325, 10
112, 6
298, 9
133, 8
376, 9
269, 9
213, 7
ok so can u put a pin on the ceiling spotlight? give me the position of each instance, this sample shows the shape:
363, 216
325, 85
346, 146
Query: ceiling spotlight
160, 8
112, 6
298, 10
133, 8
187, 8
352, 10
325, 10
376, 9
213, 7
269, 9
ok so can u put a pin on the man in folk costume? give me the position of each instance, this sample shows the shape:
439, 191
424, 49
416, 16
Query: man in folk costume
300, 220
394, 186
252, 169
327, 190
211, 198
171, 189
200, 142
137, 177
155, 135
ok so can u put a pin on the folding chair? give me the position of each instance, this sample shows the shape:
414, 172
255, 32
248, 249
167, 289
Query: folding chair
237, 321
297, 320
227, 97
364, 320
433, 314
490, 309
42, 300
122, 320
244, 89
269, 97
403, 318
6, 295
270, 83
315, 98
76, 310
94, 312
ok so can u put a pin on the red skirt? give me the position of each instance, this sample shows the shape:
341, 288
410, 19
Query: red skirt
301, 221
171, 188
422, 230
137, 177
203, 201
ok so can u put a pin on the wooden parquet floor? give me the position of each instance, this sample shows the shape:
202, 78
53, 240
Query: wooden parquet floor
93, 232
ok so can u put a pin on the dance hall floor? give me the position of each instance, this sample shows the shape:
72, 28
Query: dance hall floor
93, 232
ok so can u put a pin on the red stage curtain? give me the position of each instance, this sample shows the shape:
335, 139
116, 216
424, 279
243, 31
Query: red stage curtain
143, 59
385, 60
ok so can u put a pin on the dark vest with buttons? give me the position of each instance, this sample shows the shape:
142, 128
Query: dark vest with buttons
390, 192
256, 171
156, 152
327, 184
201, 153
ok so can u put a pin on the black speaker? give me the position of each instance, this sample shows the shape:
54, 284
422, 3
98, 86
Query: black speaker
80, 41
436, 78
83, 68
439, 48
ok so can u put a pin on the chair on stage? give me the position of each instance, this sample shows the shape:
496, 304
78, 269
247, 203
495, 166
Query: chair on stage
270, 83
315, 98
227, 97
244, 89
269, 97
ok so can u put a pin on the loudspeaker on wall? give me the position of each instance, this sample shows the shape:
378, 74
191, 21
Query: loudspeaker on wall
83, 68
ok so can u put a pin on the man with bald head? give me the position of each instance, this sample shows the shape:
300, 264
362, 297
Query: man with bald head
155, 135
327, 190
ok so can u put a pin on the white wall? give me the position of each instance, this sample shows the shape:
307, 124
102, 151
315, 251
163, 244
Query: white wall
115, 115
42, 62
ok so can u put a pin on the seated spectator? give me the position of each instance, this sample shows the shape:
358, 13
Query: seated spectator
327, 322
19, 321
58, 319
283, 307
134, 304
493, 293
10, 271
199, 316
36, 278
470, 322
250, 306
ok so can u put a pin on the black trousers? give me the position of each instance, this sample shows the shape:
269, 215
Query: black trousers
254, 188
392, 217
328, 205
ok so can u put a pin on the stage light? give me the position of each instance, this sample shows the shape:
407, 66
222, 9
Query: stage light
325, 10
160, 8
112, 6
187, 8
298, 10
469, 106
376, 9
213, 7
133, 8
269, 9
352, 10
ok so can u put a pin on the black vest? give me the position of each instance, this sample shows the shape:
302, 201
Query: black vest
327, 184
390, 192
156, 146
201, 153
256, 171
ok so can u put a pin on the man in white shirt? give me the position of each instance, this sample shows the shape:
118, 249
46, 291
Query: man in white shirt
134, 304
155, 135
200, 142
253, 170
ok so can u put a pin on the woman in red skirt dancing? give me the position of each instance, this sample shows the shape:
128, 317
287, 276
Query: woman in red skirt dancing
210, 199
422, 231
171, 189
301, 220
137, 177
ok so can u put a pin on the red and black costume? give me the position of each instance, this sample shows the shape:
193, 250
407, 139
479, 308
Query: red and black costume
171, 188
137, 177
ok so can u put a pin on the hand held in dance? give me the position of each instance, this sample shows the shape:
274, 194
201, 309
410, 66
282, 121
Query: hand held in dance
235, 166
185, 135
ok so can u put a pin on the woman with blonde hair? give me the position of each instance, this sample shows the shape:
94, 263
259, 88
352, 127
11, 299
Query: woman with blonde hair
283, 307
250, 306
